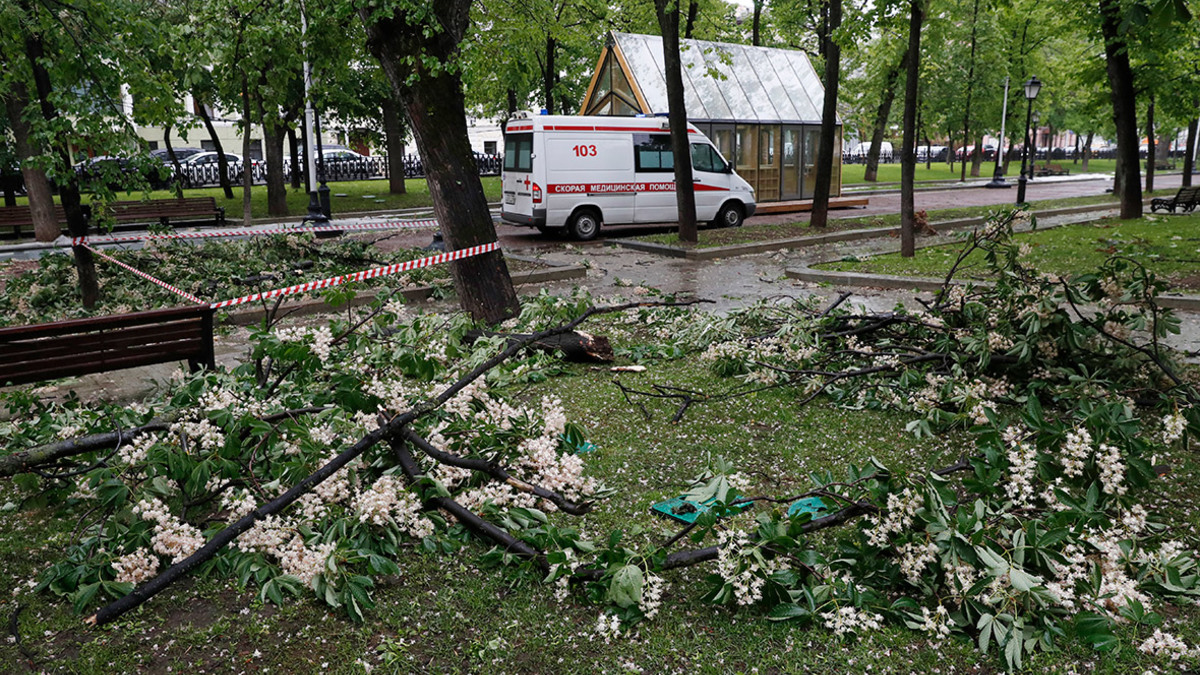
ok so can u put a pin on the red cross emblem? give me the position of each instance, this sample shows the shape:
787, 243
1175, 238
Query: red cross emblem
526, 182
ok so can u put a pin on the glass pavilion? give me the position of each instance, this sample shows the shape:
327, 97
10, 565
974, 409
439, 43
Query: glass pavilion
760, 106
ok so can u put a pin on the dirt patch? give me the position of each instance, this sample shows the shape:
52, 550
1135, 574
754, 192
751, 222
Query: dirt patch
14, 268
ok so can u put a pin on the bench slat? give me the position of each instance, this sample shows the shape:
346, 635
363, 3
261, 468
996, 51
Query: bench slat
81, 347
132, 358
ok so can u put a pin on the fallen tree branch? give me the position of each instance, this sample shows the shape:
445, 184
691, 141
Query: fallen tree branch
223, 538
33, 458
575, 347
496, 472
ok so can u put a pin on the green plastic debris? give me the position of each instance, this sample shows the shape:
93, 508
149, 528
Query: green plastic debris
812, 505
687, 511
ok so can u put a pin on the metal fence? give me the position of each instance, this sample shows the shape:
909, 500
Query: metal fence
336, 169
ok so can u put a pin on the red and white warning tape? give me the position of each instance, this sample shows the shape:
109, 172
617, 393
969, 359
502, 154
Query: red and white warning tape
250, 232
365, 274
147, 277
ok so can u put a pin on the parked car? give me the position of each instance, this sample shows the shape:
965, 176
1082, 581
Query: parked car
932, 153
121, 173
181, 154
203, 169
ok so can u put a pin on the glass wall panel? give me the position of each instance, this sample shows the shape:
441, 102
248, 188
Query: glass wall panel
790, 186
747, 153
768, 163
808, 162
722, 137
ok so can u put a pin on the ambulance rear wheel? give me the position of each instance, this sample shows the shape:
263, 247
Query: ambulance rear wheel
585, 225
730, 215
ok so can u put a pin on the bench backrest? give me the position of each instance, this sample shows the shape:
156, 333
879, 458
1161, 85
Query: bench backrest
80, 346
23, 215
160, 208
1188, 195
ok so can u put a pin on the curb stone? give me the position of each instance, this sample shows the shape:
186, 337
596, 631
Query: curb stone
814, 240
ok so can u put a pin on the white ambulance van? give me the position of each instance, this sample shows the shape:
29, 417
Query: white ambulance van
579, 172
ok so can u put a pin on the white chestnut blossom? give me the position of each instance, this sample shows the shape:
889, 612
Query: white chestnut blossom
1173, 427
1076, 452
135, 567
848, 619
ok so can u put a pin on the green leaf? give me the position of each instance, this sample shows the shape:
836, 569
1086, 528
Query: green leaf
84, 595
788, 611
626, 588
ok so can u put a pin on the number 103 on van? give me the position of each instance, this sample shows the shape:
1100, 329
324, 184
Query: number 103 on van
585, 150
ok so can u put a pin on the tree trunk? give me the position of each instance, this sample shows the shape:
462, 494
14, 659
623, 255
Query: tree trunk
294, 158
273, 135
967, 110
693, 10
548, 74
1128, 183
755, 35
176, 184
833, 54
1087, 151
1075, 156
1189, 158
85, 265
393, 136
1151, 155
882, 114
977, 157
685, 194
37, 186
222, 163
436, 112
908, 157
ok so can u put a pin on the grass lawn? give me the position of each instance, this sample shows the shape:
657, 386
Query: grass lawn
445, 614
710, 238
1167, 245
852, 174
360, 195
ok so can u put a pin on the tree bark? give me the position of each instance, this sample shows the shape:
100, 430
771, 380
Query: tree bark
548, 73
908, 156
1151, 155
1128, 183
1189, 159
247, 174
755, 34
37, 186
882, 114
1087, 151
685, 194
435, 107
393, 136
273, 135
575, 347
85, 265
693, 10
176, 184
967, 110
833, 55
222, 163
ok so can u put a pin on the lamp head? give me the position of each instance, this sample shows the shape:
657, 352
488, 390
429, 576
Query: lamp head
1032, 87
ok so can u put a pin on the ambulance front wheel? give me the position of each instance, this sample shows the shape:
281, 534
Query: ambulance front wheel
730, 215
585, 225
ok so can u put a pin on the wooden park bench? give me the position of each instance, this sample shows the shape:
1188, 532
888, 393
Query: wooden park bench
14, 218
1185, 200
1051, 170
167, 211
76, 347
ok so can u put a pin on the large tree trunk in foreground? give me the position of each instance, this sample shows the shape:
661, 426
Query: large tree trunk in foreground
435, 108
685, 191
1189, 159
247, 173
393, 134
833, 55
37, 185
273, 135
882, 114
1128, 183
85, 265
908, 154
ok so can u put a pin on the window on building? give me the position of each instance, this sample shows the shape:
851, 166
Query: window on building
489, 147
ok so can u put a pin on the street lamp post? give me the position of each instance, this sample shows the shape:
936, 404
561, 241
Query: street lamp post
998, 175
315, 213
1033, 130
1032, 87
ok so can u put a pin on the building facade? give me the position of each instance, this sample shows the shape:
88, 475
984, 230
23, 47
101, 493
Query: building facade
760, 106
